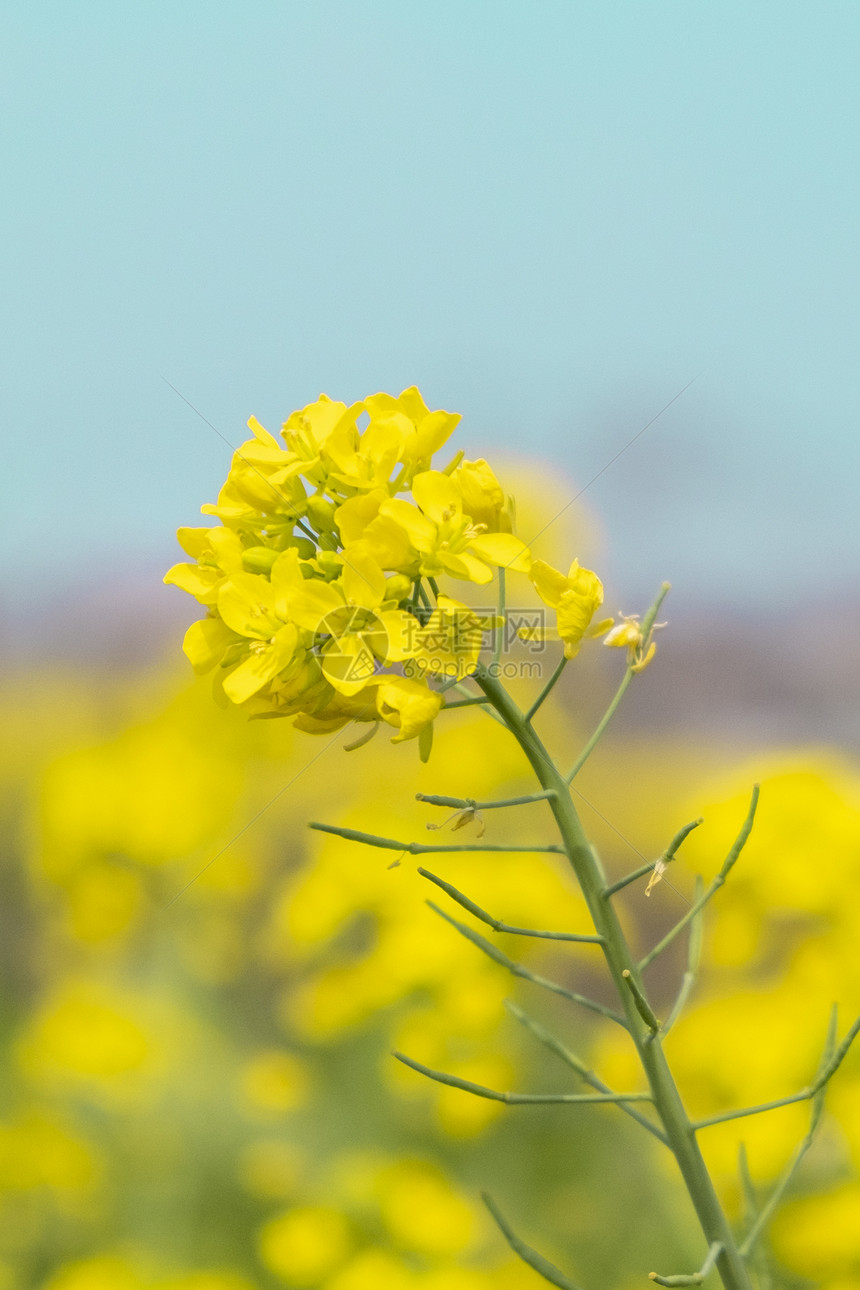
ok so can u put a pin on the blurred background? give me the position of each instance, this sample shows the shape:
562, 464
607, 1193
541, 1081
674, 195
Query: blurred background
620, 240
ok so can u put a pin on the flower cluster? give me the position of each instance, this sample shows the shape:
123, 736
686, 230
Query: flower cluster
320, 579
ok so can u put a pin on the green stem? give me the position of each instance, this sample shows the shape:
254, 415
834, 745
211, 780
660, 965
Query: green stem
493, 952
501, 631
694, 952
543, 1036
542, 1266
728, 863
518, 1099
470, 804
825, 1074
691, 1278
763, 1218
604, 722
630, 877
418, 848
547, 689
461, 688
496, 923
647, 626
676, 1124
643, 1007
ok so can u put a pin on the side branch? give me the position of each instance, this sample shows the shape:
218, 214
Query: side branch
692, 1278
517, 969
496, 923
757, 1258
420, 848
570, 1059
666, 858
632, 669
643, 1007
694, 953
826, 1073
763, 1218
547, 689
536, 1261
470, 804
517, 1099
727, 866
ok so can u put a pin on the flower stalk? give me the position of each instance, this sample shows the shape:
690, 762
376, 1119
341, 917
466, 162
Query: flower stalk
676, 1124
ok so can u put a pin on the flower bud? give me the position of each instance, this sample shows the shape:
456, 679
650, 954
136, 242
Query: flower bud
330, 564
305, 547
398, 587
321, 513
259, 559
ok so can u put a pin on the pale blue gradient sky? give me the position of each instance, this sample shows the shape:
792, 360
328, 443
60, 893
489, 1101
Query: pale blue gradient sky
550, 216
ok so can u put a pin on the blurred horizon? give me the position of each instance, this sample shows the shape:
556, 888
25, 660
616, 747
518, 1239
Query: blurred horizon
763, 678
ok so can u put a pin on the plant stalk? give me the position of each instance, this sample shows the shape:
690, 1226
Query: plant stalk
678, 1128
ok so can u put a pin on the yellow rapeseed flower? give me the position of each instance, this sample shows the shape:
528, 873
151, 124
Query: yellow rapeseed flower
628, 635
445, 536
575, 598
321, 583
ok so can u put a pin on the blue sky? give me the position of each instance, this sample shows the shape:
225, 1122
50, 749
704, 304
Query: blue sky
550, 216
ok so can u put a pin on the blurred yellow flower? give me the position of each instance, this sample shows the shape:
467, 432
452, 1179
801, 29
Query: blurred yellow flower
103, 901
274, 1081
819, 1236
304, 1245
422, 1211
103, 1272
37, 1151
87, 1032
373, 1269
215, 1280
271, 1169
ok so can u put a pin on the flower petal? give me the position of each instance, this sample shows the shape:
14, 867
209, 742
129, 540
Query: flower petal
363, 581
251, 675
355, 514
406, 704
205, 643
467, 567
199, 581
503, 549
437, 495
420, 531
246, 603
549, 583
312, 602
